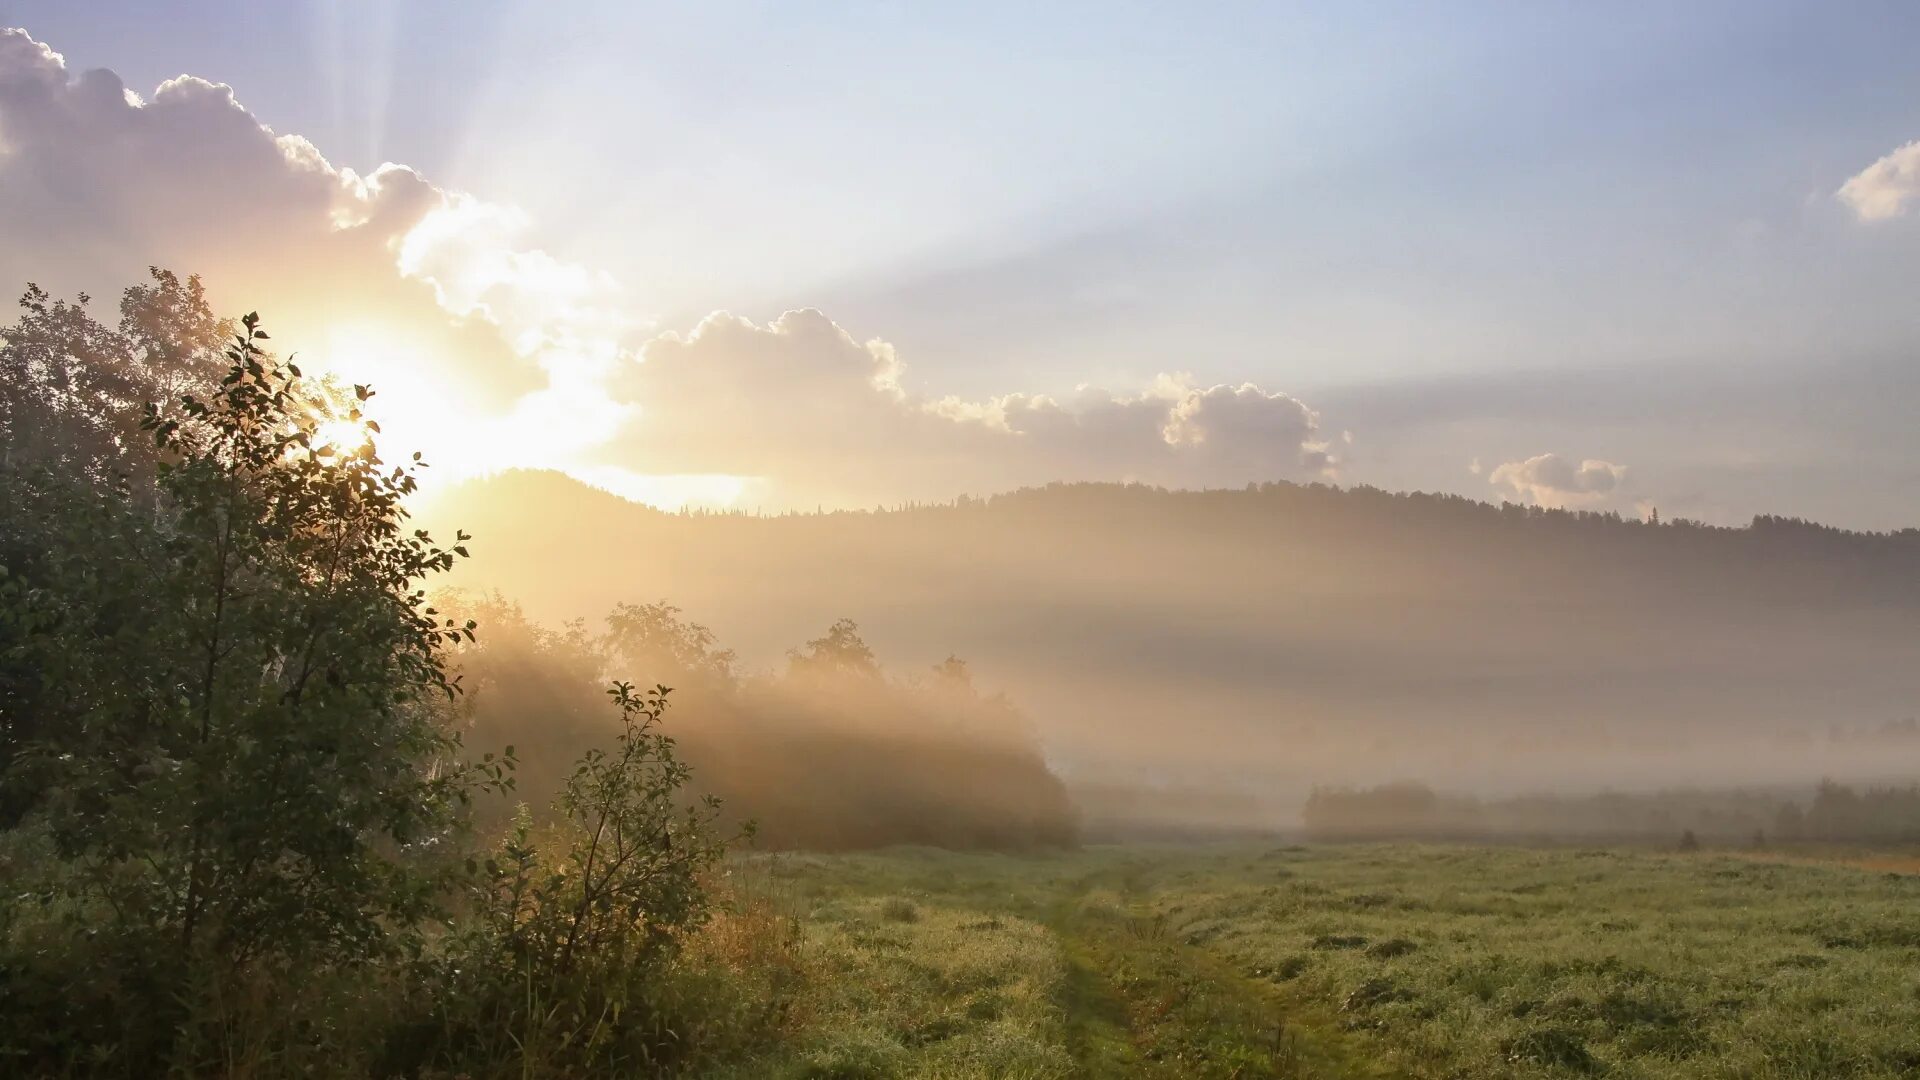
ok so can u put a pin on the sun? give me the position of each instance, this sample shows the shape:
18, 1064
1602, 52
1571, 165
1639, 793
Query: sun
342, 436
415, 411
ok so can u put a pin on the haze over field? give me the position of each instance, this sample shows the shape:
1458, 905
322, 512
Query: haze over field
1266, 641
1258, 643
1079, 541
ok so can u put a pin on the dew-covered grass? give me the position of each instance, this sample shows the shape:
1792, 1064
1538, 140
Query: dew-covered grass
1454, 962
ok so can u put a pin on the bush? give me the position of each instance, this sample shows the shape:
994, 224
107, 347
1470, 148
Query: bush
234, 828
833, 753
569, 929
899, 909
1561, 1047
237, 761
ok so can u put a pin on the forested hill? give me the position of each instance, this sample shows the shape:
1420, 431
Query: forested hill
1296, 634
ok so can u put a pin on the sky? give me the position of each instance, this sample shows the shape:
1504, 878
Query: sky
1606, 256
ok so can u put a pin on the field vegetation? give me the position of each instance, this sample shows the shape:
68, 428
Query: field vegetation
1349, 960
271, 805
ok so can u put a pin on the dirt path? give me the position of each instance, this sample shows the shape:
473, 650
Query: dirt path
1141, 1003
1098, 1035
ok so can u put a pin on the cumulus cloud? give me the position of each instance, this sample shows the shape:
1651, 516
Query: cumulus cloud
383, 277
500, 354
804, 404
1885, 188
1551, 480
96, 183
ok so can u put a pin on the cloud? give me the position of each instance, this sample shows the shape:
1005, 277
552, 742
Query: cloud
1551, 480
808, 408
95, 184
488, 352
383, 277
1885, 188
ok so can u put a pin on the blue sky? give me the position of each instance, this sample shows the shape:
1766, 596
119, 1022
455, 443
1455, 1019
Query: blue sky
1362, 205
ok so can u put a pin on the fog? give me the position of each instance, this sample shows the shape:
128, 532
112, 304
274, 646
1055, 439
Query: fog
1222, 654
829, 751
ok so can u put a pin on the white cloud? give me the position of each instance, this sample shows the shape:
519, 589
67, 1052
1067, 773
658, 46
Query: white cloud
96, 184
489, 353
812, 411
486, 353
1885, 188
1551, 480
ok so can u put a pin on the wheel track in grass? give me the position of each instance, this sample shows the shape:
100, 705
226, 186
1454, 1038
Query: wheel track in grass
1139, 1002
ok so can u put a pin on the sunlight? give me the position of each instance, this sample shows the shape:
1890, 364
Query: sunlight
416, 413
554, 428
342, 436
714, 491
960, 540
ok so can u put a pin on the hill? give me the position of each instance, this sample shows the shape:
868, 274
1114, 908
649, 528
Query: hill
1267, 639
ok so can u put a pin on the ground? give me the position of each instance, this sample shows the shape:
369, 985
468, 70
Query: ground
1451, 962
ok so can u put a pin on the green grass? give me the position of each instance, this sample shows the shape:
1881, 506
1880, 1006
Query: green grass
1360, 961
1468, 962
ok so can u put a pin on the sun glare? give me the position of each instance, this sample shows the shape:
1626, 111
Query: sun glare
342, 436
668, 492
415, 412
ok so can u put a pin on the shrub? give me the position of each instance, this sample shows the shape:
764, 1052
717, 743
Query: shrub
560, 962
233, 812
1554, 1046
899, 909
237, 763
1390, 948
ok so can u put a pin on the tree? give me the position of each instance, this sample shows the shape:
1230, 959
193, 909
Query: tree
249, 764
840, 651
629, 873
571, 928
953, 674
657, 638
73, 392
231, 791
1790, 822
73, 396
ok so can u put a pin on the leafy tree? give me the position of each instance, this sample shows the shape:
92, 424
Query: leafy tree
74, 392
534, 688
73, 396
657, 638
229, 778
631, 857
834, 752
840, 651
249, 764
572, 927
953, 673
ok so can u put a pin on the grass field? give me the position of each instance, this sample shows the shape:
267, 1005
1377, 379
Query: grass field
1339, 961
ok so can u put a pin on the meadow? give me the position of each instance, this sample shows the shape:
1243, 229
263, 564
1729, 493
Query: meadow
262, 814
1336, 961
